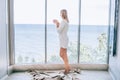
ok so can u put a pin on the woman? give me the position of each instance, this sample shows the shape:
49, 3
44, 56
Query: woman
62, 29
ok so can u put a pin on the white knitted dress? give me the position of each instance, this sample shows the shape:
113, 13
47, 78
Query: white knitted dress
62, 31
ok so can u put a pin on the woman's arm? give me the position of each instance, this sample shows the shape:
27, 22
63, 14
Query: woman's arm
61, 27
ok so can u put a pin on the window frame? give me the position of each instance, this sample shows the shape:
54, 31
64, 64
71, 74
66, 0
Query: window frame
11, 42
11, 35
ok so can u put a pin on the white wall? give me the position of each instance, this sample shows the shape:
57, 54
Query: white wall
114, 62
3, 39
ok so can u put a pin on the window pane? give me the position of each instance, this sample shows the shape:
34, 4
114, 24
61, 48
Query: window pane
29, 31
53, 12
94, 31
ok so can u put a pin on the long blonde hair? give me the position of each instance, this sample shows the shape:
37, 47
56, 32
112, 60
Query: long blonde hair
64, 14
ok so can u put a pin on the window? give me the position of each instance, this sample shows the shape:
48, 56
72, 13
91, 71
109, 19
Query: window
52, 36
94, 31
36, 38
29, 24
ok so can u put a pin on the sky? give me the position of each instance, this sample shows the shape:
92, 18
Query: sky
93, 12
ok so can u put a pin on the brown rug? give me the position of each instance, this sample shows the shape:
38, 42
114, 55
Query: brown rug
54, 75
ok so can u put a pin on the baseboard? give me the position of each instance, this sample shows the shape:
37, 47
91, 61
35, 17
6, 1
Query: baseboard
59, 67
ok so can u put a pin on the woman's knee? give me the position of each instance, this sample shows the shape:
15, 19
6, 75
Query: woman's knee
62, 52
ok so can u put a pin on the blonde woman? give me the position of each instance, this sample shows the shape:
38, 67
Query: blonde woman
62, 29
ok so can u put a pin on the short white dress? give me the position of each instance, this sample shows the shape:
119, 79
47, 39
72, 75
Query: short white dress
62, 31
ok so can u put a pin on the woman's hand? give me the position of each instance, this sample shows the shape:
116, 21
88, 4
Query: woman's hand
55, 21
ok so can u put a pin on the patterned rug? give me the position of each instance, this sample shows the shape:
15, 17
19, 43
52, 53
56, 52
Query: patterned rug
54, 75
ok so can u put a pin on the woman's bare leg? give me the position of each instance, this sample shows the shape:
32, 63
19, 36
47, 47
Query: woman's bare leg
63, 54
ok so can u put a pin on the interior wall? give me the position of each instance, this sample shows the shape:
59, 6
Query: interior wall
114, 62
3, 39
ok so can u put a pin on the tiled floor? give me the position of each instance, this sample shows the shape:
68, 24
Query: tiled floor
85, 75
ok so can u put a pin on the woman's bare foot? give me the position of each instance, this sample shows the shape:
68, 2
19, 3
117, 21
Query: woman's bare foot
67, 70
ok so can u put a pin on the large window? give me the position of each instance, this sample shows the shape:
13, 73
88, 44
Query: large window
36, 38
29, 24
53, 12
94, 31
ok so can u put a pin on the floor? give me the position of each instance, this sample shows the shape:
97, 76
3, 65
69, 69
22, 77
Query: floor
84, 75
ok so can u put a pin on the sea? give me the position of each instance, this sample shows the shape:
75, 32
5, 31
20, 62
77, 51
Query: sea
37, 40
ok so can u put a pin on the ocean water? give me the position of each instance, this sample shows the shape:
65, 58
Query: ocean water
30, 39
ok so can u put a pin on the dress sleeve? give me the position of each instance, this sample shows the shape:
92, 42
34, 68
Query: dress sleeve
61, 27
